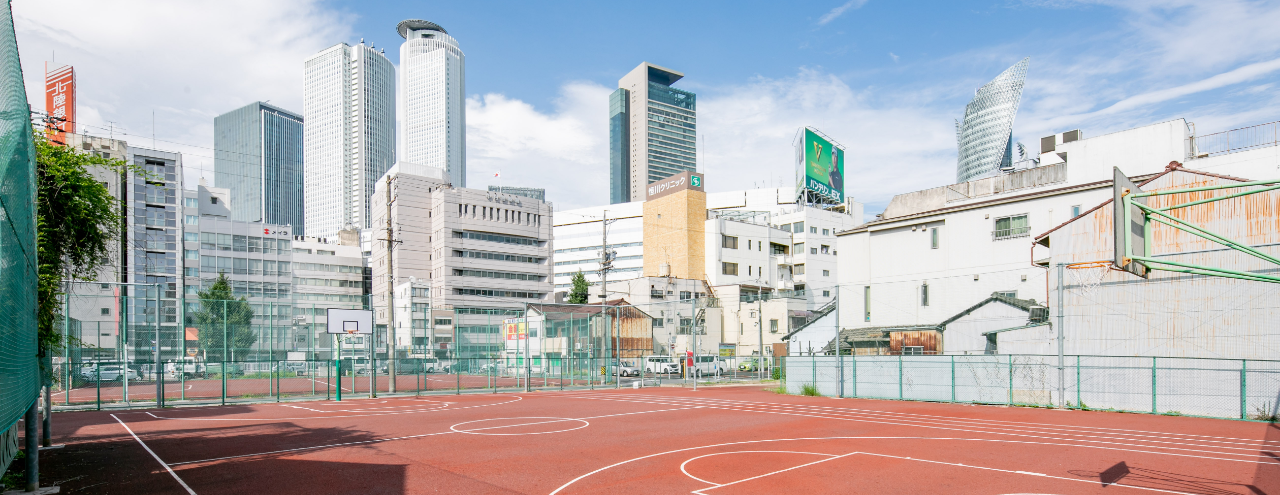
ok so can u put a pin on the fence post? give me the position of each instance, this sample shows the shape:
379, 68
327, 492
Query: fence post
1079, 404
953, 378
854, 367
1153, 384
223, 368
899, 376
1010, 379
1244, 388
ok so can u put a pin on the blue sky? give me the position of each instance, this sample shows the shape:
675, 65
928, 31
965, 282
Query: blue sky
886, 79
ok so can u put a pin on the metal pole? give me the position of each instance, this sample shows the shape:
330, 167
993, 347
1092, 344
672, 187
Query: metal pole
760, 333
1062, 371
155, 366
32, 447
391, 298
225, 351
337, 363
693, 325
1244, 389
528, 364
45, 434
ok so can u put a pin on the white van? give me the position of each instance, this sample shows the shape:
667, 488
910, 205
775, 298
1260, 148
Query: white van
660, 364
706, 364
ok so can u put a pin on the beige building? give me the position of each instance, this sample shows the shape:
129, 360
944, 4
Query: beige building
675, 227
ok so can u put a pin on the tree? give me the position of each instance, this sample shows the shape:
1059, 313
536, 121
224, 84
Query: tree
580, 289
77, 220
221, 314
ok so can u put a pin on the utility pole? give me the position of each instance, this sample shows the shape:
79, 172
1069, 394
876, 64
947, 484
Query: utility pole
1062, 377
391, 297
760, 328
606, 258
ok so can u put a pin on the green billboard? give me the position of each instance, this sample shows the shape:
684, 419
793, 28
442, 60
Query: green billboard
823, 166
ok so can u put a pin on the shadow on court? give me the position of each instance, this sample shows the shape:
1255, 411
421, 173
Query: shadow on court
1124, 475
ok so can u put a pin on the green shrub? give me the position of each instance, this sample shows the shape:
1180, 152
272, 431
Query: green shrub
777, 373
809, 390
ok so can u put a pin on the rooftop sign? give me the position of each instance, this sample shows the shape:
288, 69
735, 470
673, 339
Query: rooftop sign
679, 182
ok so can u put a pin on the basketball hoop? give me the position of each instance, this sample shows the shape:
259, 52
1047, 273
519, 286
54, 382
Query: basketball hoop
1088, 275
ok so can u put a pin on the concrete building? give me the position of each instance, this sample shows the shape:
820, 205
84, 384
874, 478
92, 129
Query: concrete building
484, 255
985, 136
349, 138
433, 107
935, 252
652, 131
258, 157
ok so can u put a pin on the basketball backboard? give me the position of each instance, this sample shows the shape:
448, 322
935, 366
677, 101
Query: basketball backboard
1130, 230
349, 321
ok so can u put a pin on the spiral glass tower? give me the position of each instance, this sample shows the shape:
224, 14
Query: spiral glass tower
985, 136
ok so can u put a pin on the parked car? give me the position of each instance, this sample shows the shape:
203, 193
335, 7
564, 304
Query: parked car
751, 365
623, 368
709, 365
412, 366
188, 368
108, 372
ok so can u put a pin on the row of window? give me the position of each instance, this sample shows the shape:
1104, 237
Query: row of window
597, 248
593, 260
497, 256
244, 244
328, 282
499, 214
503, 275
242, 266
500, 238
321, 267
498, 293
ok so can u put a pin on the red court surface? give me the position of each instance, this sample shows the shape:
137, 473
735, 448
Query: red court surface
656, 440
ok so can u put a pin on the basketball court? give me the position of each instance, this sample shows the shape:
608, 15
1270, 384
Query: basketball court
656, 440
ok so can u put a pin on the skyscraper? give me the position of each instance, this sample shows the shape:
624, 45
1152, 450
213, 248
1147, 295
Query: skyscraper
349, 100
433, 104
258, 157
652, 131
985, 136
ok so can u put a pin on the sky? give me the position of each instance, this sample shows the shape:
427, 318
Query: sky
885, 79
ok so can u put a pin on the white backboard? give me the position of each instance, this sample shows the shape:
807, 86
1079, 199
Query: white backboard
343, 320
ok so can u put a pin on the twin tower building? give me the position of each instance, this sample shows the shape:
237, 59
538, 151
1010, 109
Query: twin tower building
317, 171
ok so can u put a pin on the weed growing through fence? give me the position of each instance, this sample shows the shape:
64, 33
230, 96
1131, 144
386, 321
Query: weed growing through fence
809, 390
780, 389
1265, 413
777, 373
15, 477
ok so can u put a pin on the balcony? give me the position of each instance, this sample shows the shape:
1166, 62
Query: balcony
1001, 234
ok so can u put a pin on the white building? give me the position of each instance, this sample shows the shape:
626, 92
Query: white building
349, 138
935, 252
483, 255
433, 106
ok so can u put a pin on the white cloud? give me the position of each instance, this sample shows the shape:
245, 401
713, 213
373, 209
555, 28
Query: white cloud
564, 151
839, 11
894, 57
186, 61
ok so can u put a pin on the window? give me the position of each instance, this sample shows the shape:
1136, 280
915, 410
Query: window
284, 268
798, 269
239, 243
301, 251
729, 242
728, 268
241, 266
798, 248
268, 267
209, 264
924, 294
1075, 211
826, 273
826, 249
685, 295
1011, 227
912, 350
826, 231
255, 244
255, 267
933, 238
813, 230
191, 254
773, 326
224, 242
748, 244
797, 228
748, 270
213, 200
191, 202
657, 322
191, 236
866, 303
813, 250
192, 219
326, 253
191, 271
106, 311
1011, 294
826, 293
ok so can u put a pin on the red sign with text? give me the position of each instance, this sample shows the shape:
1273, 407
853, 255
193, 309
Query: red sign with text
60, 102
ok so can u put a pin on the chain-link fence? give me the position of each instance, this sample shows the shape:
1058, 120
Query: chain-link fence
1220, 388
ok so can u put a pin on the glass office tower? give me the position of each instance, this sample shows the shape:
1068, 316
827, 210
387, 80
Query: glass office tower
985, 136
653, 144
258, 157
433, 106
349, 97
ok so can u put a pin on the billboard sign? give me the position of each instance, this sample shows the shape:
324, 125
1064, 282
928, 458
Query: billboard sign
821, 166
60, 102
679, 182
514, 328
728, 350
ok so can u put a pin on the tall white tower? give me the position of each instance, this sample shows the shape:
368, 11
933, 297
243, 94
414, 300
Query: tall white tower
433, 99
349, 97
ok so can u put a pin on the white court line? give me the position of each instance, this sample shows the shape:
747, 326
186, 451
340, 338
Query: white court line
747, 442
388, 413
327, 384
901, 415
972, 429
820, 461
407, 437
154, 456
686, 472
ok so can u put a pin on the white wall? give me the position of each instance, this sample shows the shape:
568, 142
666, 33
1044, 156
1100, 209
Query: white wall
964, 336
